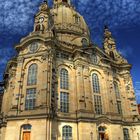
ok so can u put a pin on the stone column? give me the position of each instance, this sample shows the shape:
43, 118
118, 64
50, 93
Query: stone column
80, 88
87, 89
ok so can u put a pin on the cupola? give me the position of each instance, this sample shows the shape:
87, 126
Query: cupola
62, 2
109, 46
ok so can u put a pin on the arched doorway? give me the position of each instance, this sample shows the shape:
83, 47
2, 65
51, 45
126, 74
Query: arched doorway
102, 133
26, 132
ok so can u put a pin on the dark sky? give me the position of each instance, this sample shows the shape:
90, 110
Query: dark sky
122, 17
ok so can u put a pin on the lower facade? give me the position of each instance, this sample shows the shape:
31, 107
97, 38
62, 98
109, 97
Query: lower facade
43, 129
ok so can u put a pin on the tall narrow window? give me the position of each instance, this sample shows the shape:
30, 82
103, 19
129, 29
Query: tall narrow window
94, 59
119, 107
37, 28
30, 99
126, 134
64, 79
67, 133
116, 88
102, 133
64, 102
98, 104
32, 75
77, 19
112, 55
95, 83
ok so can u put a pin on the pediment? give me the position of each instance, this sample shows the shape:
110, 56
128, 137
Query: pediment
33, 47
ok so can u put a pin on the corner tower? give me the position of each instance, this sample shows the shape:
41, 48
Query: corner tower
64, 22
109, 46
43, 19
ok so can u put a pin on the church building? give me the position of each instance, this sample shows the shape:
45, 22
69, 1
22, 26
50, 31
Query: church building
61, 86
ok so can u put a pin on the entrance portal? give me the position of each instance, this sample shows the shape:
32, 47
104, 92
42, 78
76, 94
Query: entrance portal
102, 133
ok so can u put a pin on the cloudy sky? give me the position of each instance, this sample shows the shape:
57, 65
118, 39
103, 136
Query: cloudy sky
122, 17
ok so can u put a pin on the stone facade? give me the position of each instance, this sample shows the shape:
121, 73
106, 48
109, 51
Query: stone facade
139, 108
1, 93
63, 87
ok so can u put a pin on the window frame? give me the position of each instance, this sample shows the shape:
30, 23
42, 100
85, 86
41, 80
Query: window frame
27, 129
116, 89
85, 42
77, 19
95, 83
66, 132
32, 74
30, 100
64, 102
64, 79
119, 107
126, 134
98, 104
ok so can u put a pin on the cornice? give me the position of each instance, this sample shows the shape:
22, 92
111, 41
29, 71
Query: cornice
97, 120
35, 36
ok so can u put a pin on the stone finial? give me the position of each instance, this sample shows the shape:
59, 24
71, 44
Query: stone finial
44, 6
61, 2
107, 33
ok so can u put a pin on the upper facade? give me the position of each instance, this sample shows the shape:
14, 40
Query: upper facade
61, 24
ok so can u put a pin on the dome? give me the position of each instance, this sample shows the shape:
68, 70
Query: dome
70, 27
70, 23
65, 17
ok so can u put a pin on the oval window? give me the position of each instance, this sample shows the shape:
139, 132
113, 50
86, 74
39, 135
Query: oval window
33, 47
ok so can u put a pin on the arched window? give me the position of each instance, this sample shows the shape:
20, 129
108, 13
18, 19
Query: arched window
67, 133
77, 19
84, 42
26, 127
95, 83
64, 78
101, 129
37, 28
102, 133
32, 75
116, 88
126, 134
26, 132
112, 55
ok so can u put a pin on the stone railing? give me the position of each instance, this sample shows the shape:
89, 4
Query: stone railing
70, 27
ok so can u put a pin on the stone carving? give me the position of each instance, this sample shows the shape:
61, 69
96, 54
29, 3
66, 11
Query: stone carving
3, 120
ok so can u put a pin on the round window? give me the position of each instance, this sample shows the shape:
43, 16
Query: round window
33, 47
110, 46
